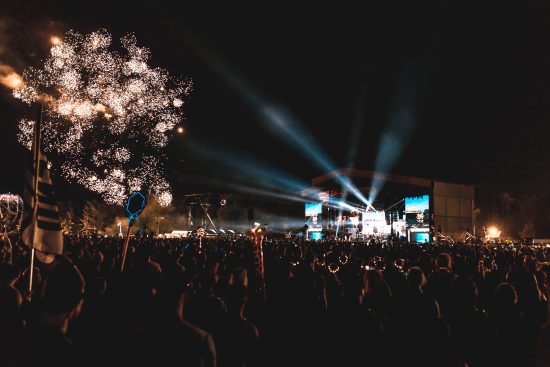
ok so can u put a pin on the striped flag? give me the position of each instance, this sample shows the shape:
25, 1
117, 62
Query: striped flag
41, 227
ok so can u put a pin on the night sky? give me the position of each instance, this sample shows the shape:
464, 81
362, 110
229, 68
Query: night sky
471, 76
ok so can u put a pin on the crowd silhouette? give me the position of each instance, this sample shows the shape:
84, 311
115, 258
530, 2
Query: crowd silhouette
325, 303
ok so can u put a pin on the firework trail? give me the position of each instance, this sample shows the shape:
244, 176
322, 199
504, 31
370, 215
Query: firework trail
108, 115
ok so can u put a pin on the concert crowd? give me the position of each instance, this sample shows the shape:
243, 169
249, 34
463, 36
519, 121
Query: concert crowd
194, 302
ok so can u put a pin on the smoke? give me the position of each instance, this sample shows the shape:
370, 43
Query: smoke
22, 43
9, 77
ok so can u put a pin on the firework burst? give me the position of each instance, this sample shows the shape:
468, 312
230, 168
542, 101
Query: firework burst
108, 115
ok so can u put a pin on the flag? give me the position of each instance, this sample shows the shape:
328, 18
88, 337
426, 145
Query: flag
41, 227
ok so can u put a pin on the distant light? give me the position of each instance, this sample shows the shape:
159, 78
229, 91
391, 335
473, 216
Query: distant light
493, 232
180, 130
256, 224
230, 230
55, 40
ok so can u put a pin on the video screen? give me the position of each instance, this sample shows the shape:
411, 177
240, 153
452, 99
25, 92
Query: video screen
374, 223
420, 237
313, 209
417, 211
315, 236
313, 214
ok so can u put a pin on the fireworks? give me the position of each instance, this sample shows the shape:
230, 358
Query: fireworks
108, 115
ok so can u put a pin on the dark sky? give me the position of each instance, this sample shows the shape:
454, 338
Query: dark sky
472, 77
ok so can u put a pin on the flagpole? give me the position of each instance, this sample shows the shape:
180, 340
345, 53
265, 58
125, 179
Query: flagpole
125, 248
35, 189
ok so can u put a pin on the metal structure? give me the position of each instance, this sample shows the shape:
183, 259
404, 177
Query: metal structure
202, 202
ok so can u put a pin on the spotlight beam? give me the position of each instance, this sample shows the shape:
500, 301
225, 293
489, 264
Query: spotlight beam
223, 183
275, 116
394, 139
258, 172
287, 126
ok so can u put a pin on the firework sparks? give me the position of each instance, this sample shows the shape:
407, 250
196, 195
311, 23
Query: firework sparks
102, 105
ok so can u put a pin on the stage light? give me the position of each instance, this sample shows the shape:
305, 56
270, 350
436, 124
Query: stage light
338, 204
252, 170
244, 188
275, 116
283, 123
399, 130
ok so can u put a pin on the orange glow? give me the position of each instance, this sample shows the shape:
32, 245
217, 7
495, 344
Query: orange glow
55, 40
493, 232
11, 80
180, 130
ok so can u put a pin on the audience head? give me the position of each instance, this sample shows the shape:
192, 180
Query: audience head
237, 298
63, 290
465, 292
506, 295
9, 274
416, 278
444, 261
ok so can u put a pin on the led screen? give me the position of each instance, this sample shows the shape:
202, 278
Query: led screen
316, 236
313, 209
421, 237
417, 204
417, 211
313, 215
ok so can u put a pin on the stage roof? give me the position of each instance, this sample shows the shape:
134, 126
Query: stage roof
359, 173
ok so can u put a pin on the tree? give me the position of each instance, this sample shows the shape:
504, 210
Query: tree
96, 215
69, 222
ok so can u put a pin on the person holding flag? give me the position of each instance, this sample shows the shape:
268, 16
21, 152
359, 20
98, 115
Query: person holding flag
41, 227
60, 299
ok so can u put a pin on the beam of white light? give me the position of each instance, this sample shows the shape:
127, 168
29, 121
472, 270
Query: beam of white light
261, 173
246, 188
284, 124
394, 139
277, 118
